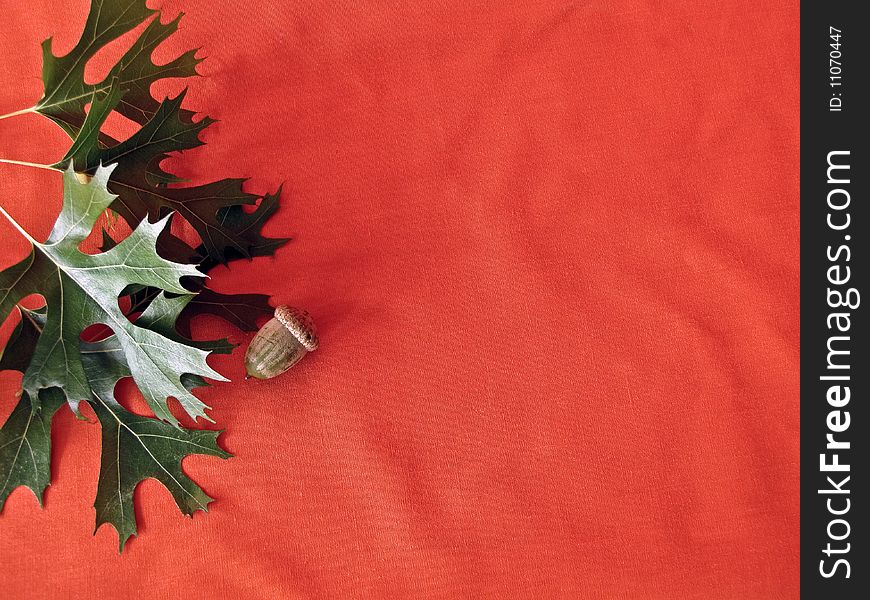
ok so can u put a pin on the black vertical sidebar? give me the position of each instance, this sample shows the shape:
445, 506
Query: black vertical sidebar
835, 364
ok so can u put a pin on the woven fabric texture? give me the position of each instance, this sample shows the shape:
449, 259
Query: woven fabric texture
551, 249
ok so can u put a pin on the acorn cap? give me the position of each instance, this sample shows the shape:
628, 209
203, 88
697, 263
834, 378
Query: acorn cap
299, 323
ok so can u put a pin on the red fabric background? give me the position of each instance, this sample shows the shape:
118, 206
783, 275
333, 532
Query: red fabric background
552, 248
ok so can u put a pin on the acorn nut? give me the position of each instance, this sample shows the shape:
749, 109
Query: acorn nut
280, 343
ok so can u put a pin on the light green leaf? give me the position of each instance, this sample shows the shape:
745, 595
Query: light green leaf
81, 290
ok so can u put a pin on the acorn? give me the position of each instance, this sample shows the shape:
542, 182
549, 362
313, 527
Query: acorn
280, 343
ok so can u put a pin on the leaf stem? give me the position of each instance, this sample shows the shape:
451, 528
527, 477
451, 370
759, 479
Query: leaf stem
23, 163
3, 210
15, 113
15, 224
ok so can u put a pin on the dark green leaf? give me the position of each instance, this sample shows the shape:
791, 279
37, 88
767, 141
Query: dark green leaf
215, 210
135, 448
241, 310
66, 93
23, 340
25, 438
25, 445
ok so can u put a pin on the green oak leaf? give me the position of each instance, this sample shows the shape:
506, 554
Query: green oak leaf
81, 290
215, 210
66, 93
135, 448
156, 277
25, 438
